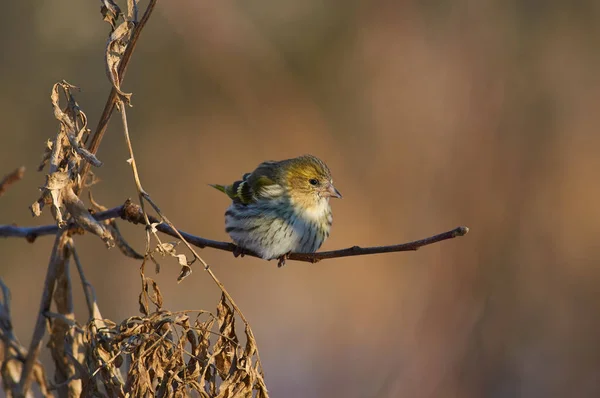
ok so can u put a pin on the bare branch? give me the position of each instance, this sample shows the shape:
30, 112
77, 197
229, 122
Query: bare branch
30, 233
11, 178
133, 213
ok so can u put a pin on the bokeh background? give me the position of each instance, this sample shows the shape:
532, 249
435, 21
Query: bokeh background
431, 114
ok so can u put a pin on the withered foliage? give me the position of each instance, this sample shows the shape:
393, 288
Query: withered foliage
173, 354
162, 353
66, 153
158, 353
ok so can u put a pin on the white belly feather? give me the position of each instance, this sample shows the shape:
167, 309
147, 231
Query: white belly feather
271, 230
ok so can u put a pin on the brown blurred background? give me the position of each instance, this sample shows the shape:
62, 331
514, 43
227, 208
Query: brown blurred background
431, 114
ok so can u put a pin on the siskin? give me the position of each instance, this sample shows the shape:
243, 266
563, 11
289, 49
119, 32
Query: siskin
281, 207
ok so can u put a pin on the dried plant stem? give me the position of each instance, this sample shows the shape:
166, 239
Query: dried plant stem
88, 289
136, 177
56, 258
113, 97
63, 340
132, 213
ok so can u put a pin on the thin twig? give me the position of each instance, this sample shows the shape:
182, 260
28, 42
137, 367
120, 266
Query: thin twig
133, 213
136, 176
12, 177
88, 289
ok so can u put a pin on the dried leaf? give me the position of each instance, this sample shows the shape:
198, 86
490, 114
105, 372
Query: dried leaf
156, 264
227, 342
201, 341
239, 385
186, 270
111, 12
143, 298
132, 10
53, 190
36, 207
61, 116
68, 121
115, 48
156, 295
83, 218
182, 259
251, 347
84, 153
167, 247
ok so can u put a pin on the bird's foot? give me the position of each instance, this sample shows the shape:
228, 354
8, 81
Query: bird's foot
281, 259
239, 251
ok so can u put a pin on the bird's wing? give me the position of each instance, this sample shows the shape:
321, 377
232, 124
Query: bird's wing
260, 184
264, 182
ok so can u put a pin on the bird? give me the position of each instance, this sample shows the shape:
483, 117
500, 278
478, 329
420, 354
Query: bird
281, 207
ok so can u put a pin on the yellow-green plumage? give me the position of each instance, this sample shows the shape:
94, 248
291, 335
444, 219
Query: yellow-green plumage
281, 207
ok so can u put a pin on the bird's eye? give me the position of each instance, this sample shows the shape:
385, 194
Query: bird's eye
313, 181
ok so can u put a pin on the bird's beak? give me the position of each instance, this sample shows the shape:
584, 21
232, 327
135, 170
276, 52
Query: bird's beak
333, 192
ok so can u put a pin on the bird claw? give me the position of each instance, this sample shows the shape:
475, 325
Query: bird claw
239, 251
281, 260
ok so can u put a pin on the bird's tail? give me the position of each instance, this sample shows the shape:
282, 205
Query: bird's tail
219, 187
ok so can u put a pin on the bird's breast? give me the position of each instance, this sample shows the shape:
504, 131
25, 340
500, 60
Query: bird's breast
315, 213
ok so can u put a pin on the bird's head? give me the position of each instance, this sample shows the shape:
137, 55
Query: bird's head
308, 180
